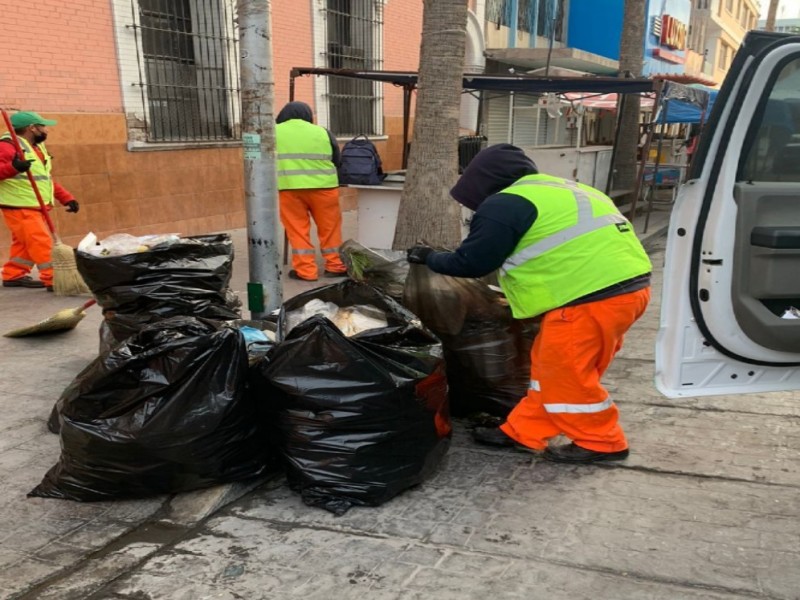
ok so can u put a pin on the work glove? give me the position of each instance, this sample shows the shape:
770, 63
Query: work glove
418, 254
73, 206
20, 164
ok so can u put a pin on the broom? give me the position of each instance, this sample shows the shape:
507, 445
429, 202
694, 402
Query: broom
66, 279
61, 321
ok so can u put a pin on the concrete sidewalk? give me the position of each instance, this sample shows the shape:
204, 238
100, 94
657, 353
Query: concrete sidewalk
706, 507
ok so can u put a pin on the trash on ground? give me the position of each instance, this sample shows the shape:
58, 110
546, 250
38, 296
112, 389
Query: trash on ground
166, 411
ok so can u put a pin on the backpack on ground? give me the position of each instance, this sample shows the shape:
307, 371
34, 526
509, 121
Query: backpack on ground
360, 163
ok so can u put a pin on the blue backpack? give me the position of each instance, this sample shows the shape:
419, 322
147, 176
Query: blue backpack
360, 163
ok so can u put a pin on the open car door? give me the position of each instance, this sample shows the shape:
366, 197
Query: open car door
731, 298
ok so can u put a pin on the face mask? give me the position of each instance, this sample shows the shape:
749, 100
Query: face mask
39, 138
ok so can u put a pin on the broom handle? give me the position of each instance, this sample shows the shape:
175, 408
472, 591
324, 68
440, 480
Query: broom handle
28, 173
87, 304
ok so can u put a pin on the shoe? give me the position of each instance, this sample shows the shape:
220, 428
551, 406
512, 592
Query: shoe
332, 274
293, 275
494, 436
49, 288
570, 453
26, 282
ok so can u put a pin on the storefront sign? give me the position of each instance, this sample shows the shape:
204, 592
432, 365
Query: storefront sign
673, 33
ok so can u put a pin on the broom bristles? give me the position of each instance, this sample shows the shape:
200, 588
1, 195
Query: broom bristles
63, 320
67, 281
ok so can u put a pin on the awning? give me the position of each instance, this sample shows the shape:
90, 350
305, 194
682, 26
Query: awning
601, 101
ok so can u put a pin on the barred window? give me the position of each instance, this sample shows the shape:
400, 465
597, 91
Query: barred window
188, 73
353, 34
551, 19
499, 12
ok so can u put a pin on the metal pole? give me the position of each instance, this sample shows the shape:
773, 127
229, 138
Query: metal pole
659, 89
407, 91
622, 98
654, 186
551, 41
264, 290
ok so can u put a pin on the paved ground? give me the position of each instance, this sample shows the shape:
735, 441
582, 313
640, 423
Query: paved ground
706, 507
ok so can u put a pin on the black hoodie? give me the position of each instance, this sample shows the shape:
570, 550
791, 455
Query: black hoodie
500, 220
301, 110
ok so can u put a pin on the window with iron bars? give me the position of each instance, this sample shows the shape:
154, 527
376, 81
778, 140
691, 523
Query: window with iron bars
353, 41
188, 71
499, 12
550, 19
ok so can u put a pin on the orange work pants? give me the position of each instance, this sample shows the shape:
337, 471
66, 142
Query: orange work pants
572, 351
31, 244
297, 208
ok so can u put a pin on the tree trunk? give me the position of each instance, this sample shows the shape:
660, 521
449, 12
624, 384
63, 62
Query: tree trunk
772, 12
426, 210
631, 56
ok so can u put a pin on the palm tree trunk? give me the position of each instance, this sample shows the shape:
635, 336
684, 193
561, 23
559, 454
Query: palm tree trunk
772, 12
631, 56
426, 210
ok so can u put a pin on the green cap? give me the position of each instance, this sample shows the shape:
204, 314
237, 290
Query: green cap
26, 118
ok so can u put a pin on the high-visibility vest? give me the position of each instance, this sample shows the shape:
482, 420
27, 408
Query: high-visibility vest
579, 244
304, 156
17, 190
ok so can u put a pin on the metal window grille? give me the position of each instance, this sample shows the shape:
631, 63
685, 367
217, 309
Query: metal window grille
499, 12
188, 72
354, 33
527, 15
551, 19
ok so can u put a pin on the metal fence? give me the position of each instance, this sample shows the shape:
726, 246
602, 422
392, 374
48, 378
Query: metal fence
187, 54
353, 41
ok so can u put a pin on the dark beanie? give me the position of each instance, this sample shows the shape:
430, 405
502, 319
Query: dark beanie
492, 170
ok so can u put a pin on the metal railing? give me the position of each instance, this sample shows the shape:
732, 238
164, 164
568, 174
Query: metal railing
187, 53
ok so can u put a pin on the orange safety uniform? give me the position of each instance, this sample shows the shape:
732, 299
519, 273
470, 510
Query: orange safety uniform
308, 185
31, 240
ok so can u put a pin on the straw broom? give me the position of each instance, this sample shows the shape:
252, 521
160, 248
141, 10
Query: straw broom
61, 321
67, 281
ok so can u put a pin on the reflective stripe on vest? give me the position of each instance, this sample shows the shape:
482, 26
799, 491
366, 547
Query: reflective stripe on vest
304, 156
16, 191
586, 224
578, 244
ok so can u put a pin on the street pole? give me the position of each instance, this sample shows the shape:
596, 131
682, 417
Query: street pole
264, 291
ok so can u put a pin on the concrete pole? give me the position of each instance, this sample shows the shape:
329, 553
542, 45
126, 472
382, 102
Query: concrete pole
264, 290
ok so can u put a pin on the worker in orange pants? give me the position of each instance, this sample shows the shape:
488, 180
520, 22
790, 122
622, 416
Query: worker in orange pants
308, 156
31, 245
572, 351
297, 207
564, 254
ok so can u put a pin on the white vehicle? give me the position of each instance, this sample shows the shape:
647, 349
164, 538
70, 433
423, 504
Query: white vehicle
731, 299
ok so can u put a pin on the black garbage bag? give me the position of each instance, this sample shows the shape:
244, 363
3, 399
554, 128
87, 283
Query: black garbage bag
166, 411
486, 350
186, 278
383, 269
361, 418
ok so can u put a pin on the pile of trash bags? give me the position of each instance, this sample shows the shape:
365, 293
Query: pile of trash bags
166, 276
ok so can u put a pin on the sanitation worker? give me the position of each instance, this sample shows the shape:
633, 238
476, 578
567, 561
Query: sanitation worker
568, 256
309, 188
31, 241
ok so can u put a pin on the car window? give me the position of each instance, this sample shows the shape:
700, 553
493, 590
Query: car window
773, 149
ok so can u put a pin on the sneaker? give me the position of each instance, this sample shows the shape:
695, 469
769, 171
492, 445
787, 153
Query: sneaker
570, 453
293, 275
26, 282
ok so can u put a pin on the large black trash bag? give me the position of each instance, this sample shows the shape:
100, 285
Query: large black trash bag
486, 350
361, 418
166, 411
186, 278
383, 269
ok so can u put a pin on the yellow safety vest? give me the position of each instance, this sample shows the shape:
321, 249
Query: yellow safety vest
17, 190
305, 156
578, 245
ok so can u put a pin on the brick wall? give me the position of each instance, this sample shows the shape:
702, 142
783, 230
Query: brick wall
55, 59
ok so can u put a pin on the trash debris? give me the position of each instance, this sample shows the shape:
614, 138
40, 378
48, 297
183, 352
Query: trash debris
351, 320
166, 411
360, 418
791, 313
119, 244
384, 269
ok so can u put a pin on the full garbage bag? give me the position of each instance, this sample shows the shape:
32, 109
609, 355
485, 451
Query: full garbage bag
187, 277
384, 269
360, 418
166, 411
486, 350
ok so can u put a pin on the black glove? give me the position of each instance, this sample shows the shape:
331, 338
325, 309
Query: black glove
73, 206
20, 164
418, 254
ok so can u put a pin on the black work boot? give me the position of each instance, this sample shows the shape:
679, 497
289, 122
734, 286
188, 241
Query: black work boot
570, 453
26, 282
494, 436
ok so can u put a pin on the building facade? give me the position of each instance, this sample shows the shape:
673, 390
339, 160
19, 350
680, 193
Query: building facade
146, 94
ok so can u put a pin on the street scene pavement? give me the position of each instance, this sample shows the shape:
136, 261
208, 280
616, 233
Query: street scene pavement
706, 506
